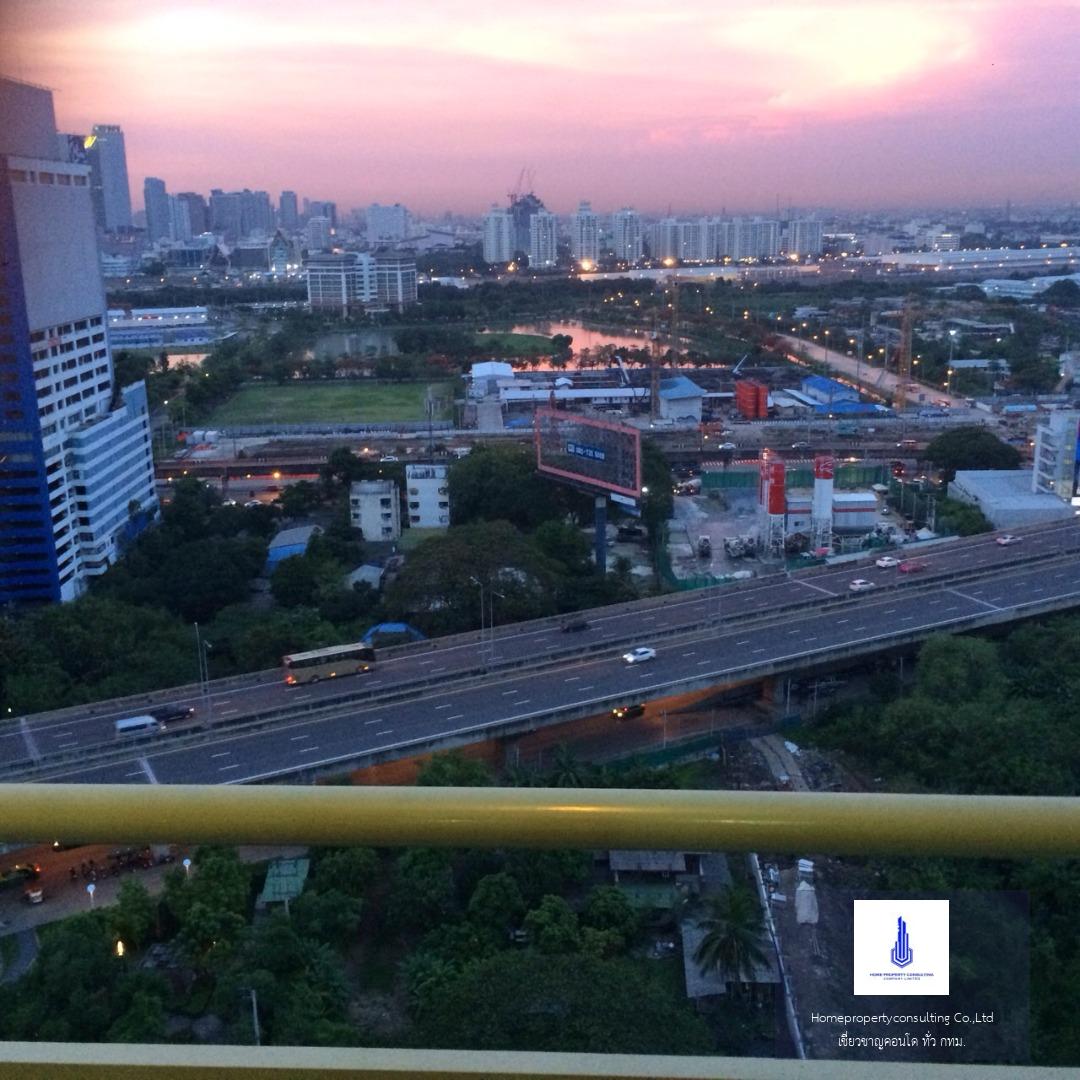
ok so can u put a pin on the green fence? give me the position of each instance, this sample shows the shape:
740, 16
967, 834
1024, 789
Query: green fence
849, 474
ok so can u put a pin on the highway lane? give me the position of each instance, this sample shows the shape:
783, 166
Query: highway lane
596, 684
44, 736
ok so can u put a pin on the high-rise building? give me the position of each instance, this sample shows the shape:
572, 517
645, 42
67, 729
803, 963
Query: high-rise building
197, 212
585, 235
498, 236
225, 214
543, 240
109, 178
387, 224
626, 235
665, 239
256, 213
319, 234
288, 215
179, 219
158, 216
76, 475
395, 279
522, 209
803, 237
315, 208
1057, 456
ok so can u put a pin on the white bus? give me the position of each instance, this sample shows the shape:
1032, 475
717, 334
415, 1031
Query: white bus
329, 663
135, 725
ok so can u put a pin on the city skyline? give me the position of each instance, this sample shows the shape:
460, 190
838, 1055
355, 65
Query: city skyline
712, 106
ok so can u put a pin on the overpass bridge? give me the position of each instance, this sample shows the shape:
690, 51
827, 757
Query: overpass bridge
439, 694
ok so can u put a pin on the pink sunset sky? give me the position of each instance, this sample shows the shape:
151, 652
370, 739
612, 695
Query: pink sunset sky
702, 105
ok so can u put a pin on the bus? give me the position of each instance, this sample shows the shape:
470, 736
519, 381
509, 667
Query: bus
329, 663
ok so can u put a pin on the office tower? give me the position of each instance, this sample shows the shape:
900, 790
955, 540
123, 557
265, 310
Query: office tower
288, 216
543, 236
387, 224
225, 214
585, 235
109, 178
498, 236
626, 235
76, 475
256, 214
315, 208
395, 279
179, 219
318, 234
156, 201
197, 212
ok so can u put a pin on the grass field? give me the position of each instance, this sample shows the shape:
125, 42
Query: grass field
515, 344
332, 402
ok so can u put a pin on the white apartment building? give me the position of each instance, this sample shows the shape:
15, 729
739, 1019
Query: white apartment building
1057, 457
626, 239
498, 236
803, 237
395, 280
375, 509
346, 282
585, 235
428, 496
543, 240
387, 224
319, 233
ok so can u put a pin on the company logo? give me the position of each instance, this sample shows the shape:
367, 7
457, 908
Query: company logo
901, 954
900, 947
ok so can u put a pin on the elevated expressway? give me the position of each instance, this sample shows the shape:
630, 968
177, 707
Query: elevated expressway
438, 694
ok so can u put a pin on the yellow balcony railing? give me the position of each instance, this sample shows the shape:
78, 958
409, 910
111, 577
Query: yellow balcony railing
513, 817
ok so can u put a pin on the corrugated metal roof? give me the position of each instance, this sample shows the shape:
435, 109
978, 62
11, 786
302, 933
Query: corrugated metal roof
680, 387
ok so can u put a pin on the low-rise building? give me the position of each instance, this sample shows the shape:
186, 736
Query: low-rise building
1007, 498
680, 399
375, 509
428, 496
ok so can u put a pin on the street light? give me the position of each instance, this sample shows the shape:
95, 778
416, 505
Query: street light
202, 648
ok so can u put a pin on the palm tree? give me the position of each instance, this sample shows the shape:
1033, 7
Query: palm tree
733, 928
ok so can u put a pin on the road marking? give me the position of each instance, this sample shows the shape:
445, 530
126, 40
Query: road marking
794, 632
856, 629
955, 607
702, 663
61, 734
148, 771
435, 670
817, 588
307, 749
226, 768
31, 746
138, 772
840, 622
589, 687
758, 650
689, 654
386, 732
506, 692
573, 678
891, 611
225, 712
811, 639
302, 697
437, 707
224, 753
523, 701
427, 661
908, 618
66, 745
297, 738
456, 716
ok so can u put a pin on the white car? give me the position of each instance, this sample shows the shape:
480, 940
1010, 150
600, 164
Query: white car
886, 562
639, 655
727, 446
861, 585
1007, 540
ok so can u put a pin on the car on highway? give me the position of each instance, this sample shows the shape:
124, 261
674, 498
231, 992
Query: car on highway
886, 562
861, 585
573, 626
627, 712
639, 655
172, 714
1007, 540
727, 446
912, 566
250, 503
388, 457
885, 511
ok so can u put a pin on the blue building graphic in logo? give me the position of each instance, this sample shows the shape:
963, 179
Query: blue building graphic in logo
901, 954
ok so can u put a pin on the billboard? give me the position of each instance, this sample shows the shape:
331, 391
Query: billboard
595, 454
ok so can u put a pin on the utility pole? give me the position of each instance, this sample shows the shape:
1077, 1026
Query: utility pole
202, 648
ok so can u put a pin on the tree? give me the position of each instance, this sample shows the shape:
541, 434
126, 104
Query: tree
565, 544
733, 926
539, 873
142, 1022
351, 870
422, 891
524, 1000
501, 484
299, 499
331, 916
970, 448
953, 671
133, 915
295, 580
453, 769
497, 903
553, 926
607, 908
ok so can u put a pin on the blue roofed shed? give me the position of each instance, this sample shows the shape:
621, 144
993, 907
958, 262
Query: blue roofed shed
828, 391
680, 399
289, 542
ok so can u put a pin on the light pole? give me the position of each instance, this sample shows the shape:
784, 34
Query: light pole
202, 648
480, 585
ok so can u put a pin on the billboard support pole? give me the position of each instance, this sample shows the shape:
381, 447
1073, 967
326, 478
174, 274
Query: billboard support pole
600, 538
